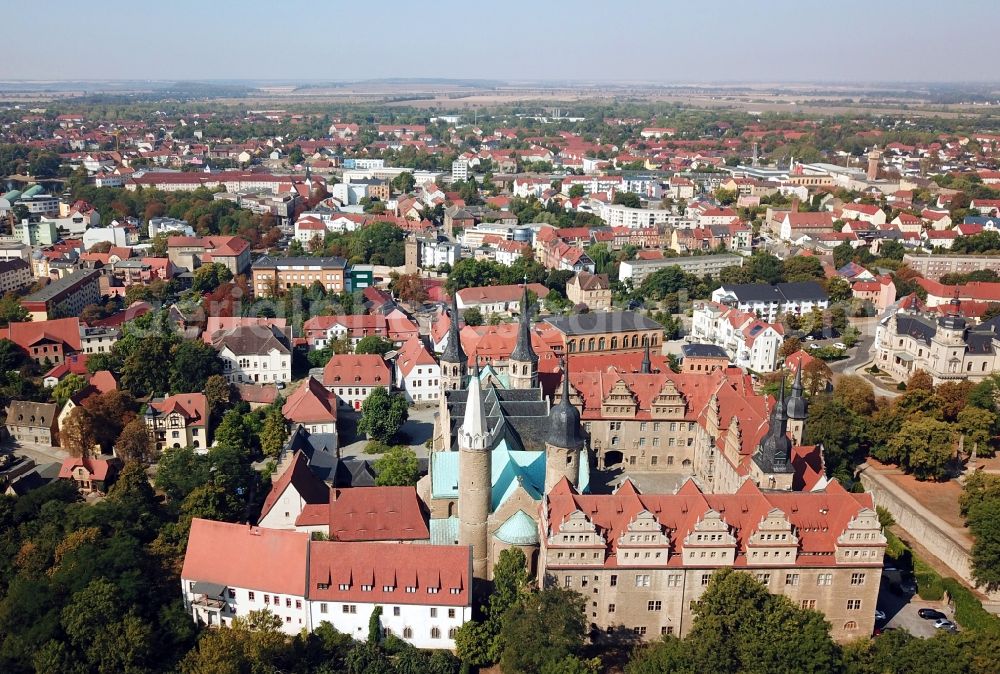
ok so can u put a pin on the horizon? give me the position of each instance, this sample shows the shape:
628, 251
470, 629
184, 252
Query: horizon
656, 43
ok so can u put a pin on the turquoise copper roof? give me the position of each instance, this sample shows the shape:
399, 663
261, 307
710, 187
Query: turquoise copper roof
519, 529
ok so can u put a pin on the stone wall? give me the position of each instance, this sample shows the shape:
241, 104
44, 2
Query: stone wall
945, 542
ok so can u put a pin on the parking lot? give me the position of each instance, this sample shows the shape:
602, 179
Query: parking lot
901, 612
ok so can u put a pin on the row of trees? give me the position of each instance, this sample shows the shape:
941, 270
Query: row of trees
919, 430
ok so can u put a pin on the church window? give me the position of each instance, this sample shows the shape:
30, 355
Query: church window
600, 344
614, 343
850, 625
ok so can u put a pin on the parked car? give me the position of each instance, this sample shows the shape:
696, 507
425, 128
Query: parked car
931, 614
815, 346
840, 345
945, 624
879, 615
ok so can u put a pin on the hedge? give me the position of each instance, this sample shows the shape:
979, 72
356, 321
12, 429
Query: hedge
969, 611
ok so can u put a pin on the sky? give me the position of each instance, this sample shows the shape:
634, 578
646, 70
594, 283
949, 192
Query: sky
662, 41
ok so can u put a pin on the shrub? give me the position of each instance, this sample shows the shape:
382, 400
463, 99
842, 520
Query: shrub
969, 611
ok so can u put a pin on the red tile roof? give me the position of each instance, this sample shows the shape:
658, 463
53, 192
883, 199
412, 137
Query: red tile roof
444, 569
65, 330
818, 518
238, 555
99, 469
298, 475
311, 404
377, 514
356, 370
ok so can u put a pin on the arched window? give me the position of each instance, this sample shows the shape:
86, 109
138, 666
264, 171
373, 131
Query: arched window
600, 344
435, 633
590, 344
645, 340
614, 343
452, 632
572, 346
635, 340
850, 625
407, 632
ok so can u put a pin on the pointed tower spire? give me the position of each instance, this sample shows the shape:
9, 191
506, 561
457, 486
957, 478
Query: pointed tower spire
779, 411
454, 362
797, 408
523, 350
474, 432
523, 359
565, 441
647, 364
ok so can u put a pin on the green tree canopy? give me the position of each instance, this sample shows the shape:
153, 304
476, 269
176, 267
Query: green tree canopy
382, 415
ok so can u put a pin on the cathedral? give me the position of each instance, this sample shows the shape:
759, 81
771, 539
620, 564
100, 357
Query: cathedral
500, 446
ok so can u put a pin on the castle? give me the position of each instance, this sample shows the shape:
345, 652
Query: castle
500, 447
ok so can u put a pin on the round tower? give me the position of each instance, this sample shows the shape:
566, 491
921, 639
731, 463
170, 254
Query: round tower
474, 477
523, 361
565, 441
454, 362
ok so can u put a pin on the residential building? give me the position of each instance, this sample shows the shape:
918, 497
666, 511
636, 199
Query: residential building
703, 358
396, 327
354, 377
935, 266
179, 420
617, 215
796, 225
15, 274
231, 569
66, 296
312, 406
255, 354
606, 332
592, 290
645, 560
30, 423
417, 373
751, 342
944, 346
98, 339
636, 271
191, 252
275, 275
36, 232
880, 292
91, 475
769, 302
46, 341
504, 299
173, 226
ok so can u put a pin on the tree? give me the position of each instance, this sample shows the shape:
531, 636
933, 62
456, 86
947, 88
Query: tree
218, 394
803, 268
838, 289
234, 431
922, 446
180, 470
274, 433
473, 316
11, 310
78, 436
375, 626
842, 433
815, 375
110, 411
398, 467
789, 346
856, 394
951, 397
67, 388
576, 191
12, 357
629, 199
373, 344
741, 627
135, 442
192, 364
978, 427
382, 415
542, 629
142, 369
409, 288
210, 276
984, 521
921, 381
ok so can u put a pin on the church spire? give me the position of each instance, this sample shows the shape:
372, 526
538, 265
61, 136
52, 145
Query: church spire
647, 365
523, 359
453, 359
474, 432
523, 351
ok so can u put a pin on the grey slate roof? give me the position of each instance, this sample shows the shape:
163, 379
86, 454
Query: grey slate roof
602, 322
703, 351
253, 340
